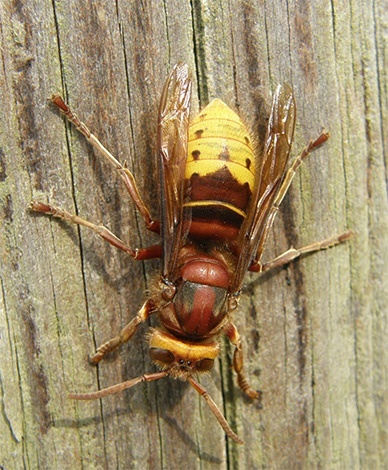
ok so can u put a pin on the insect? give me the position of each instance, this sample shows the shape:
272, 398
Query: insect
218, 203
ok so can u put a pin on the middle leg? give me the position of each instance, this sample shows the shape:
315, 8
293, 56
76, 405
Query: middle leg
294, 253
138, 254
291, 254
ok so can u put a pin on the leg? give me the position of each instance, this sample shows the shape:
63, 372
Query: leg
313, 144
124, 173
293, 253
238, 361
146, 253
256, 266
125, 335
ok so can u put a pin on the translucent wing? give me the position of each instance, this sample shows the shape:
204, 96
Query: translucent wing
275, 158
173, 124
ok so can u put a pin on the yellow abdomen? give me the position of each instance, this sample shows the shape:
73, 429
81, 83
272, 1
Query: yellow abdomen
220, 171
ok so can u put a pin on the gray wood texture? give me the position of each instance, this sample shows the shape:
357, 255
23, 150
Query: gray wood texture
315, 334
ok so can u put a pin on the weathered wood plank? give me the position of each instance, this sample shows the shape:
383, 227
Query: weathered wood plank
314, 333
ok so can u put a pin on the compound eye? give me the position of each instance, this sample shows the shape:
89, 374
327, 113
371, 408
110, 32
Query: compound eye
162, 355
204, 365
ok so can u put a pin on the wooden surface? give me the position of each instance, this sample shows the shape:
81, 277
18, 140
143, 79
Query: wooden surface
315, 334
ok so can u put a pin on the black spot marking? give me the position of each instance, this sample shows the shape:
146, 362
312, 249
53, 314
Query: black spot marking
247, 140
224, 155
248, 163
196, 154
198, 134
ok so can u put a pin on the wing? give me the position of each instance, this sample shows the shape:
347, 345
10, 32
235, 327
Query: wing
173, 125
273, 168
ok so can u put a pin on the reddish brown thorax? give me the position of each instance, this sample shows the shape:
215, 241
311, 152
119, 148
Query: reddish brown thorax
200, 302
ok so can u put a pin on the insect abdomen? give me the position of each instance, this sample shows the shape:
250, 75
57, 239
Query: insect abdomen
220, 172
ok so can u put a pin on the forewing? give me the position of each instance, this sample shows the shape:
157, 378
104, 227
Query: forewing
173, 124
274, 164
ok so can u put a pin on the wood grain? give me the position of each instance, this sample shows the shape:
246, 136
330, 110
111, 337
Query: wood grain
314, 333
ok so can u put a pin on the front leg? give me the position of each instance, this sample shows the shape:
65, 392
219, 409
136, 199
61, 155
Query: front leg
125, 334
238, 361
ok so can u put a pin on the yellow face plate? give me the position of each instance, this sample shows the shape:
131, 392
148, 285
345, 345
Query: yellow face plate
183, 349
